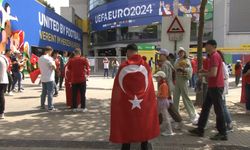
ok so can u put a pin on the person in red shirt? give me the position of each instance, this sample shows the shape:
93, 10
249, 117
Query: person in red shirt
8, 54
246, 74
194, 64
79, 69
238, 70
214, 96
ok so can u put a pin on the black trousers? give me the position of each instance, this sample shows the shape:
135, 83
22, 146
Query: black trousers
61, 81
126, 146
9, 87
82, 88
2, 99
214, 97
174, 113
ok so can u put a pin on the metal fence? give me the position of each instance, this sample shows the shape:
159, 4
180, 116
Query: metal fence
97, 66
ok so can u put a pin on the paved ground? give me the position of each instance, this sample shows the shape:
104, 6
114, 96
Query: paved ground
28, 128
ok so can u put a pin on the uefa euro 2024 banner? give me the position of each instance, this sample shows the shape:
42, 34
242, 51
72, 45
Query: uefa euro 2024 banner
122, 13
26, 23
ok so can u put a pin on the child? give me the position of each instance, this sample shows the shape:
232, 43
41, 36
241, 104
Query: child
164, 100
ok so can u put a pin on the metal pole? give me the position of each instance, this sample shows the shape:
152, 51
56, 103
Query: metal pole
176, 7
175, 48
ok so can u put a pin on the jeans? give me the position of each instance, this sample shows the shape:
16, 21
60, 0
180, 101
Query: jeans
126, 146
82, 88
47, 90
17, 79
2, 99
114, 72
248, 97
56, 83
227, 115
214, 97
193, 81
106, 72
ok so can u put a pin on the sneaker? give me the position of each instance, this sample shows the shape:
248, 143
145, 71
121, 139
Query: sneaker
55, 95
196, 132
61, 89
52, 109
20, 91
219, 137
178, 126
2, 116
230, 128
74, 110
10, 94
195, 120
42, 107
84, 110
167, 133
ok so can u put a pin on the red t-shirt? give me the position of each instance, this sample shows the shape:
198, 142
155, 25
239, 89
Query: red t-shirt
78, 68
194, 64
215, 60
238, 70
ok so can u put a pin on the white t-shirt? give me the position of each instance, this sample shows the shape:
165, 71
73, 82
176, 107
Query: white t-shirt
45, 63
3, 70
106, 64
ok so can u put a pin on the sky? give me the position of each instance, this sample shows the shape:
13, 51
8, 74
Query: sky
58, 3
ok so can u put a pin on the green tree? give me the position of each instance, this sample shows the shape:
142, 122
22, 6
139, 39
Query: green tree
45, 3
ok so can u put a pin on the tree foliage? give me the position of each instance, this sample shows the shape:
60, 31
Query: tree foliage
45, 3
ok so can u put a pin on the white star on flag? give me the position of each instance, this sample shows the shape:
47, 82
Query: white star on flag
136, 102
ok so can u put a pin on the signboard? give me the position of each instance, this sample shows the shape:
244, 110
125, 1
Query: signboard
122, 13
34, 25
175, 26
146, 47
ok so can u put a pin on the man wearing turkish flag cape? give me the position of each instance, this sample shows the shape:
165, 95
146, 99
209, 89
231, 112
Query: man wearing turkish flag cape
134, 116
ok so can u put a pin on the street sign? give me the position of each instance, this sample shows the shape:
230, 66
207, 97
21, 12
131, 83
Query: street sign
175, 27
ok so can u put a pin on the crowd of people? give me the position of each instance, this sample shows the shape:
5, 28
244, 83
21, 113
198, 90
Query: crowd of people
137, 112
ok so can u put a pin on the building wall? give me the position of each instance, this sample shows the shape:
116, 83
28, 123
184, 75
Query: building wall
68, 13
81, 7
221, 27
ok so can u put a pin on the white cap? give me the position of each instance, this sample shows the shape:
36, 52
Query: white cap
238, 60
181, 49
160, 74
164, 52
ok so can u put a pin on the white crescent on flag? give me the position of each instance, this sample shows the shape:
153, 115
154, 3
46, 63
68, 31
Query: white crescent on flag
133, 69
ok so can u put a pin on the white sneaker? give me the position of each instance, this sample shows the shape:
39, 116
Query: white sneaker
195, 120
84, 110
74, 110
2, 116
167, 133
52, 110
10, 94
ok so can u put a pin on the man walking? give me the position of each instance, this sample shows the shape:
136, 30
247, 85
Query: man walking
3, 82
214, 94
47, 67
134, 115
79, 68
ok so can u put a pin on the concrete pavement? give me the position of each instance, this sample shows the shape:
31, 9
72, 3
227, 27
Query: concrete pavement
28, 128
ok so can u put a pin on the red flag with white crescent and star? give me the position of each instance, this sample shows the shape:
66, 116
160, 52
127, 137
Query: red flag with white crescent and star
134, 116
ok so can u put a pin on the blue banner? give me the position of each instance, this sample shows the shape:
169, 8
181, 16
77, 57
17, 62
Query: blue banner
28, 23
122, 13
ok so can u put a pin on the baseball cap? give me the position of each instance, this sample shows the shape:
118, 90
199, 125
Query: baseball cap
160, 74
164, 52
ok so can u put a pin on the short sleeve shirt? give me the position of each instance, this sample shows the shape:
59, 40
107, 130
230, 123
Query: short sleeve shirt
45, 63
163, 91
3, 70
215, 60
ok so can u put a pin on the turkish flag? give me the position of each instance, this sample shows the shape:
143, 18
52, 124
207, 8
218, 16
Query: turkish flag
34, 75
243, 90
134, 116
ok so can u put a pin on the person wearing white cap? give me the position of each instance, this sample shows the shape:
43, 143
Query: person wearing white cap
164, 100
183, 74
